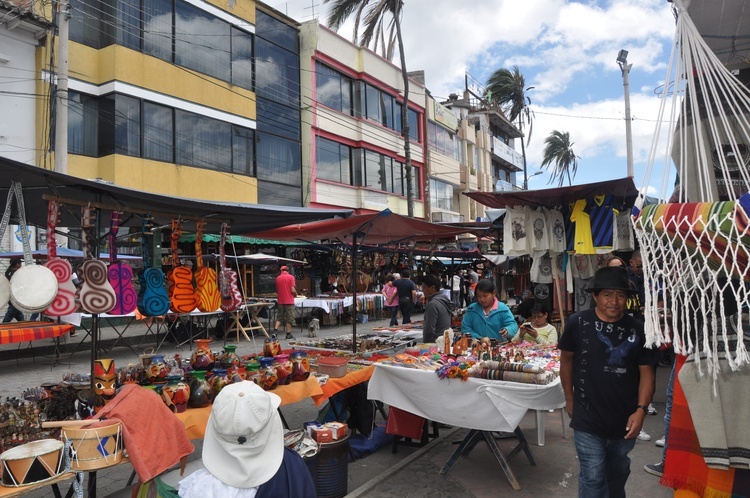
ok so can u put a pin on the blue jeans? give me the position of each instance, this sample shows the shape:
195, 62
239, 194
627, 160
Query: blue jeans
394, 315
605, 465
668, 411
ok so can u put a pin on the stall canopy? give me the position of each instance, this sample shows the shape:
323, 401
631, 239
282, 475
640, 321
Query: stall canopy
377, 228
623, 189
243, 218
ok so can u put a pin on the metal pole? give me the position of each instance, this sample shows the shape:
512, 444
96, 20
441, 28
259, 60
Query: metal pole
354, 292
628, 133
61, 96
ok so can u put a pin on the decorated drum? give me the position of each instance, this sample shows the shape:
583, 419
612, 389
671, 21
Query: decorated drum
93, 448
32, 462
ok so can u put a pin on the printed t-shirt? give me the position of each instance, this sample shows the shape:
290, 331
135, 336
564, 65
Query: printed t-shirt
582, 298
515, 240
584, 244
601, 211
536, 229
556, 228
541, 269
623, 232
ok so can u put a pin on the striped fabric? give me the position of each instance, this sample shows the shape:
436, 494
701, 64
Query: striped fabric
31, 331
601, 209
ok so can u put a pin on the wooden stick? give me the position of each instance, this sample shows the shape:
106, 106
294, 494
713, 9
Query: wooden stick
69, 423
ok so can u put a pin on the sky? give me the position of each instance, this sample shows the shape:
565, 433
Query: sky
566, 50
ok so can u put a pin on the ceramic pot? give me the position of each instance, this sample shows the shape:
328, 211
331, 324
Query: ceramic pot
300, 366
253, 370
203, 358
271, 347
157, 371
218, 380
237, 373
201, 393
283, 368
176, 394
268, 379
229, 357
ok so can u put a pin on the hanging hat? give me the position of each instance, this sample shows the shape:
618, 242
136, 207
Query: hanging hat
284, 268
612, 277
244, 441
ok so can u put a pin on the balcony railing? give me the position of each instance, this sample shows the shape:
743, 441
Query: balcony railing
506, 153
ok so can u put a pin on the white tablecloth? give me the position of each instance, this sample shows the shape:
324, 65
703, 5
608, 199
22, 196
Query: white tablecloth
487, 405
325, 304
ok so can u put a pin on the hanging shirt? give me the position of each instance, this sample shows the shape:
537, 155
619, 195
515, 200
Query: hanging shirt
515, 240
570, 226
623, 232
536, 229
541, 269
601, 210
584, 243
556, 228
582, 298
583, 265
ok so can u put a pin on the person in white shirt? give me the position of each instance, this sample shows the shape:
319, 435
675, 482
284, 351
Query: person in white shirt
537, 329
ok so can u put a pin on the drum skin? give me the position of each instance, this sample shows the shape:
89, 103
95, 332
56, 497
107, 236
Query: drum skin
33, 288
32, 462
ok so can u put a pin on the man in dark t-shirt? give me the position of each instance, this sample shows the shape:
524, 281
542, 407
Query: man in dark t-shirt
407, 295
608, 378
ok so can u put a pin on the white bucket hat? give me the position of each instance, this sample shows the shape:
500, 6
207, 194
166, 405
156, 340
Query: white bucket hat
244, 441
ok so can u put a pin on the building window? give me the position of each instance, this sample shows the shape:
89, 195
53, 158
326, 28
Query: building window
158, 132
157, 28
242, 58
202, 141
83, 125
279, 160
333, 89
243, 151
440, 140
441, 195
458, 150
414, 125
333, 161
202, 42
276, 73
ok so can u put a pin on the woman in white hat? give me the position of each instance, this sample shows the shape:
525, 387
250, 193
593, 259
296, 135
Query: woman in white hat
243, 450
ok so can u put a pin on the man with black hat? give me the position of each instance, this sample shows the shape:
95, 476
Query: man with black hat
607, 374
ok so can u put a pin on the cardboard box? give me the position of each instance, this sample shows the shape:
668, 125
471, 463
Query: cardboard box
338, 430
322, 434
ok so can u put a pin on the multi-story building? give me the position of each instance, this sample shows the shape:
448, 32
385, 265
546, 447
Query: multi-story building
189, 98
22, 31
353, 151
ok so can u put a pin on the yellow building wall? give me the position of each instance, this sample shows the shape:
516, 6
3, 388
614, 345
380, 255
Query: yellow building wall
166, 178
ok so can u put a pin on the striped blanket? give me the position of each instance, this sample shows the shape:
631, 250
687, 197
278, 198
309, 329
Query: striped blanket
31, 331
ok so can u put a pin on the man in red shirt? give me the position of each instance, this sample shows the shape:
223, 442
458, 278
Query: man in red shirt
285, 292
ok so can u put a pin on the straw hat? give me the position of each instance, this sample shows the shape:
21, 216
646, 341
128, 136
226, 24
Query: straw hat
244, 441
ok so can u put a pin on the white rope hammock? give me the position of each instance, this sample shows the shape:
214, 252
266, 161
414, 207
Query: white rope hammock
696, 249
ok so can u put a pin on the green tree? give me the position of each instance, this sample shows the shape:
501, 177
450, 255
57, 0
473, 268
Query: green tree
378, 18
558, 153
507, 89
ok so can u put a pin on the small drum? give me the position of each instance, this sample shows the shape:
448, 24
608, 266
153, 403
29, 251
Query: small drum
93, 448
32, 462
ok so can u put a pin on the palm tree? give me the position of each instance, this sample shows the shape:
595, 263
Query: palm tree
507, 88
558, 150
379, 16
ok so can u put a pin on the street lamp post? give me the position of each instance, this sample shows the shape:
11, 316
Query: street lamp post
622, 60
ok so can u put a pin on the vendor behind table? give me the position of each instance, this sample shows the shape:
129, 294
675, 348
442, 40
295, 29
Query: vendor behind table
488, 317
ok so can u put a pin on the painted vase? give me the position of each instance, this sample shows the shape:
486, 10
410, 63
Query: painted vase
253, 370
218, 380
237, 373
283, 367
201, 393
176, 394
271, 347
300, 366
229, 357
203, 358
268, 379
157, 371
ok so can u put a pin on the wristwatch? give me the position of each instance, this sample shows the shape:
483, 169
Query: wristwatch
644, 408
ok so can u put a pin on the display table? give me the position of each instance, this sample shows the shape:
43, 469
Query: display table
252, 310
195, 419
338, 384
484, 406
13, 332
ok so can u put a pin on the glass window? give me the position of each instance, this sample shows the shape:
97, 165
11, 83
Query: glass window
373, 166
128, 22
278, 194
271, 29
85, 22
458, 150
387, 105
278, 119
333, 89
202, 41
276, 73
278, 160
358, 99
441, 194
414, 125
158, 132
83, 124
202, 142
416, 186
127, 126
358, 166
397, 124
373, 104
243, 144
332, 161
242, 58
157, 28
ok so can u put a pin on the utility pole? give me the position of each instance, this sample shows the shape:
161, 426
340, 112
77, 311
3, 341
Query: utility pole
622, 60
61, 96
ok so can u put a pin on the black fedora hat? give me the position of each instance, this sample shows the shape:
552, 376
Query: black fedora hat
612, 277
